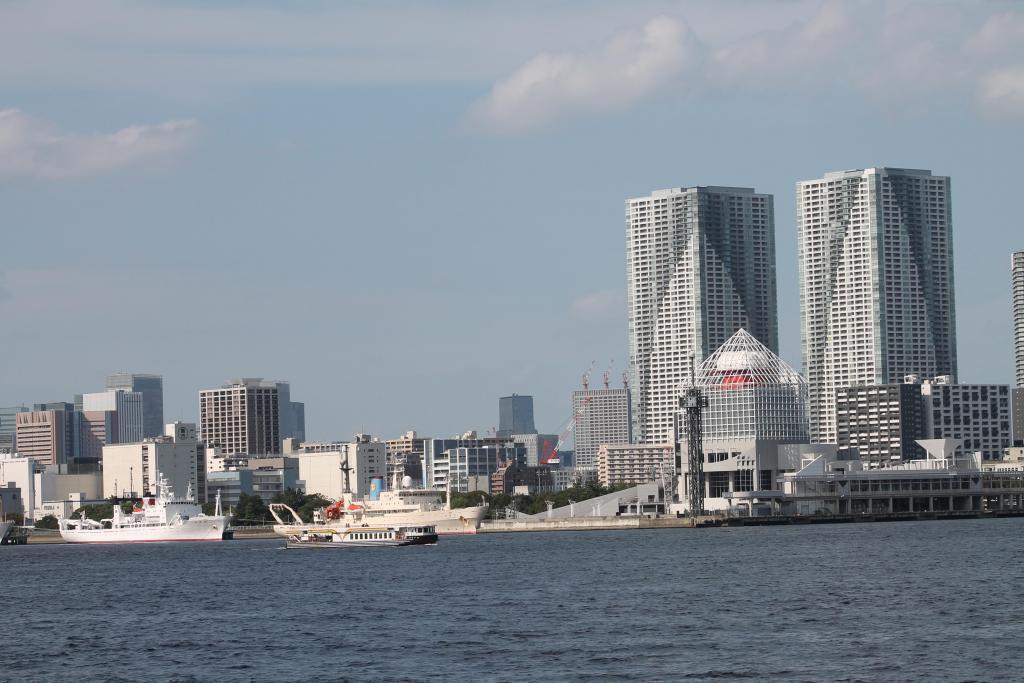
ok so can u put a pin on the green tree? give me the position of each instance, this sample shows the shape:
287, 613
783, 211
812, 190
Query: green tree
95, 512
251, 510
303, 504
48, 522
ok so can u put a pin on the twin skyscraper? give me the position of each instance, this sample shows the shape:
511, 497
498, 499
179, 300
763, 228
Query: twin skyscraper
876, 285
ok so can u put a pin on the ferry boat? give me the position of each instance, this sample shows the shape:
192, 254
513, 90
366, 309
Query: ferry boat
402, 506
155, 519
362, 537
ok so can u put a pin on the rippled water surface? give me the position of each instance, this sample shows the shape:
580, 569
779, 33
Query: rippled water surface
922, 601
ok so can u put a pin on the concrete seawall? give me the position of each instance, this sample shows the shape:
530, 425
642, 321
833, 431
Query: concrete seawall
593, 524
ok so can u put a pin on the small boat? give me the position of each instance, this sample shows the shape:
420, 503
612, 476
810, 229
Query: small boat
362, 537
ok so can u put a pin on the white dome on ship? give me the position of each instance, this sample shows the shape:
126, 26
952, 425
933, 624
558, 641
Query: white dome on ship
406, 482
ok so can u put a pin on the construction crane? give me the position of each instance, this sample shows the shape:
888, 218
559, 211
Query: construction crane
570, 426
693, 403
586, 375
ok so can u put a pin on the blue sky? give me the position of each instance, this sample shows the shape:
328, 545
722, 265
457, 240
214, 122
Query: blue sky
410, 210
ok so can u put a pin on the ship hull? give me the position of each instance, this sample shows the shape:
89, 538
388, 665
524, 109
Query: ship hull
198, 530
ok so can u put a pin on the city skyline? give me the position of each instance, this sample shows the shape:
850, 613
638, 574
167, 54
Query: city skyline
392, 192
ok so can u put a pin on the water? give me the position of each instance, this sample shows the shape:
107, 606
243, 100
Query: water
911, 601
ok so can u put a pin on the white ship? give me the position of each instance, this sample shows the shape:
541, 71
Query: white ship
156, 519
401, 506
346, 530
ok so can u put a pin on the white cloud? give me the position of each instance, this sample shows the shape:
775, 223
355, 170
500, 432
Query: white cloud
1002, 92
600, 306
795, 51
31, 147
631, 66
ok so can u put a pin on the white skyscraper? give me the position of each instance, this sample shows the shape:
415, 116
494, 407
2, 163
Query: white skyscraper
700, 265
1017, 269
876, 283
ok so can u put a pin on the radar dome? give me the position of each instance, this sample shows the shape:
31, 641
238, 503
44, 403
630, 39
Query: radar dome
406, 482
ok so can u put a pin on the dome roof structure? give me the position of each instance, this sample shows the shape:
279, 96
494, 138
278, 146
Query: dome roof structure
744, 361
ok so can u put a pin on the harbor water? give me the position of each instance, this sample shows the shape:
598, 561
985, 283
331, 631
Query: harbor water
908, 601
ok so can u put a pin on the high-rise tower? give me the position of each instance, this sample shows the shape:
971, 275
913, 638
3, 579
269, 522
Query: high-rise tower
152, 389
515, 415
242, 417
876, 283
1017, 266
700, 265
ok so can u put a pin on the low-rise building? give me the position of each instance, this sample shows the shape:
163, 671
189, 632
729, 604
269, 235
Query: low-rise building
263, 476
18, 472
539, 447
343, 467
882, 421
826, 485
405, 457
512, 476
634, 463
977, 414
436, 460
469, 468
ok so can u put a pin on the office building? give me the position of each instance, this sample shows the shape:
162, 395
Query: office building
9, 427
41, 434
881, 421
602, 417
128, 426
976, 414
132, 470
342, 467
700, 265
539, 447
292, 414
468, 461
515, 415
242, 417
151, 387
634, 463
876, 282
435, 460
96, 429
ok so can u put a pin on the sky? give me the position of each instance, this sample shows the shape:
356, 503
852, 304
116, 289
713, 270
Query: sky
408, 210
